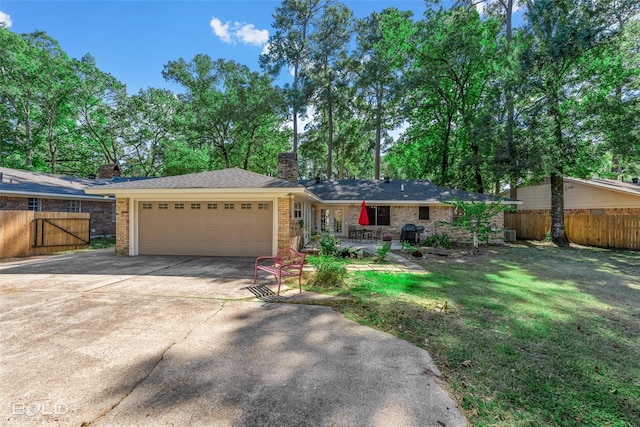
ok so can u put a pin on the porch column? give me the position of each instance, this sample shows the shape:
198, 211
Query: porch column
122, 226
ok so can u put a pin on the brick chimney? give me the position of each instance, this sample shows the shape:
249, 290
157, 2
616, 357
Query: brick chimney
108, 171
288, 167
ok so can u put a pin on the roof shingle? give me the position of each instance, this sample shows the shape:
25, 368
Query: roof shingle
394, 190
224, 178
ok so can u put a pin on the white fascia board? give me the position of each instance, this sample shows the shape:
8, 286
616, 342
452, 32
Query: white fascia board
311, 196
504, 202
384, 202
605, 186
201, 193
97, 197
430, 202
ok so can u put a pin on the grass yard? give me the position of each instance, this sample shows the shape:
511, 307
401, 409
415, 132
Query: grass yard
525, 334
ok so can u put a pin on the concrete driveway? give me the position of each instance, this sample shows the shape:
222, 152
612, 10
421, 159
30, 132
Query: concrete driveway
95, 339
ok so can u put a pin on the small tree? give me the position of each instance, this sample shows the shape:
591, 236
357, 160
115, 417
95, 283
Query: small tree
477, 217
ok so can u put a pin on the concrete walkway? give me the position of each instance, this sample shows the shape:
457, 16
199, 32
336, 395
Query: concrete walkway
97, 340
396, 264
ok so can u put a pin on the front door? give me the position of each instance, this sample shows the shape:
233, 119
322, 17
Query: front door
331, 219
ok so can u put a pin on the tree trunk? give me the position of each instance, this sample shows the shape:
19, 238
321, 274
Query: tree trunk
558, 233
378, 133
330, 141
513, 172
444, 171
295, 108
476, 167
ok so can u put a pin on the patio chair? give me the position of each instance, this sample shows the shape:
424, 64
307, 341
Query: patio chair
287, 263
352, 232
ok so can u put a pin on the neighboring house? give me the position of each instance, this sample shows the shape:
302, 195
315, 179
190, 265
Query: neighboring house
234, 212
584, 196
38, 191
598, 212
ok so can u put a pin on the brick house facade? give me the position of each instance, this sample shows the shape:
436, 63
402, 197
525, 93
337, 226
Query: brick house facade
28, 190
299, 209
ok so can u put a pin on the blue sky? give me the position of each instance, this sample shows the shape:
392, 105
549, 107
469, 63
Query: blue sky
132, 40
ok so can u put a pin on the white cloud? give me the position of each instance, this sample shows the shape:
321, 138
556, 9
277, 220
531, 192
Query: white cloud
234, 32
221, 30
5, 20
250, 35
265, 49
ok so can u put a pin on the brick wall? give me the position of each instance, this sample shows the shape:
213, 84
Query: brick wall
102, 223
284, 222
401, 215
100, 212
13, 203
288, 167
122, 226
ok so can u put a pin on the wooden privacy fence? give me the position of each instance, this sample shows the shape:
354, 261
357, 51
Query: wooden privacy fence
609, 231
27, 233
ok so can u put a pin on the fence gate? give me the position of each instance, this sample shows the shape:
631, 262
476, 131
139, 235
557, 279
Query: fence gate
52, 232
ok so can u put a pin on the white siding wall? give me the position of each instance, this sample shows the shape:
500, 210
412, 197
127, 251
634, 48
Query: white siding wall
576, 196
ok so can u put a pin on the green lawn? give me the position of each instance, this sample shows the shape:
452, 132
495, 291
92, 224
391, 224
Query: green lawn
526, 334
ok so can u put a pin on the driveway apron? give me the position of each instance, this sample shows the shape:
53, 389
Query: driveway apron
95, 339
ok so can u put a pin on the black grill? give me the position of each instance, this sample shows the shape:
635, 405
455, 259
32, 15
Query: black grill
411, 233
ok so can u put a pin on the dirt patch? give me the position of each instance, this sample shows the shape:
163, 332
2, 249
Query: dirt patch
458, 253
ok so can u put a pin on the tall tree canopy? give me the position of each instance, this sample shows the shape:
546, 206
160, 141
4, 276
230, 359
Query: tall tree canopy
481, 105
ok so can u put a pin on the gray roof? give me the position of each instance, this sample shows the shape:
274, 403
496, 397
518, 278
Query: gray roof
395, 190
224, 178
610, 184
40, 184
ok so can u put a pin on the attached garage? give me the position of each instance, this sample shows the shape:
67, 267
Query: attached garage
228, 212
205, 228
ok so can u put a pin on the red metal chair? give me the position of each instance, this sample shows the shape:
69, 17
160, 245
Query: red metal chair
287, 263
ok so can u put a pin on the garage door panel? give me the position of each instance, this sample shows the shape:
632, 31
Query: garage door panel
207, 232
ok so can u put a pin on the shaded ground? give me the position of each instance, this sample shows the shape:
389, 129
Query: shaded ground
525, 334
95, 339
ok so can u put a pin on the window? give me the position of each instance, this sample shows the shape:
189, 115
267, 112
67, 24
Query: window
297, 210
147, 206
337, 221
229, 206
423, 212
245, 206
324, 219
212, 206
113, 213
263, 206
596, 211
455, 214
178, 206
34, 204
195, 205
74, 205
163, 205
379, 215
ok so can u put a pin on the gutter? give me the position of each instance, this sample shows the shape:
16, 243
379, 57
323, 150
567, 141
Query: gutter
403, 202
57, 195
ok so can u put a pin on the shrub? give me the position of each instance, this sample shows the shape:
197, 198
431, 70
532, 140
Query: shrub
330, 272
438, 240
382, 252
406, 246
328, 244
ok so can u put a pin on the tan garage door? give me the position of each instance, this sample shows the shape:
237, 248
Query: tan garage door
205, 228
